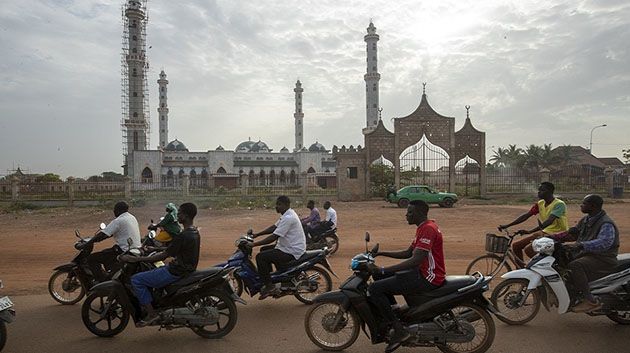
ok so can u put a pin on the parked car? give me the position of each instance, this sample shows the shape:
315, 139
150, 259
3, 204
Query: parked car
421, 192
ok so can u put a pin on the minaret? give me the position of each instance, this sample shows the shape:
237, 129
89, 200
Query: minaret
135, 95
163, 110
299, 117
372, 77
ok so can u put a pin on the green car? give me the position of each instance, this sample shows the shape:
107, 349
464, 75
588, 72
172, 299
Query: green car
421, 192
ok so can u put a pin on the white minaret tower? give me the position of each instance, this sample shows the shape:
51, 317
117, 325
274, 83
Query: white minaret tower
163, 110
299, 117
372, 77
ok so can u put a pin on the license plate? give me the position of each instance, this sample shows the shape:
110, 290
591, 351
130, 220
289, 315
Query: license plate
5, 303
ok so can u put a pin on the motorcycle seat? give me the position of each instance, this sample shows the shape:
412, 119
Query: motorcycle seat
307, 256
623, 262
193, 277
450, 285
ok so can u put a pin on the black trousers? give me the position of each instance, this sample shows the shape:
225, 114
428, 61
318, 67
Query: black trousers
106, 258
266, 258
588, 268
383, 289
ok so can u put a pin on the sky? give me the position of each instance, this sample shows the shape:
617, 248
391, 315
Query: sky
533, 72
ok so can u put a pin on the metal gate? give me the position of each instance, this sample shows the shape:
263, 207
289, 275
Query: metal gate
467, 176
424, 163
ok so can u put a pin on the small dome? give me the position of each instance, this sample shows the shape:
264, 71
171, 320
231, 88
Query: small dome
176, 145
244, 146
284, 149
317, 147
220, 148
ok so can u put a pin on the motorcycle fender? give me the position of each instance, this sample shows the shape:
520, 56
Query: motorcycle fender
66, 267
7, 315
333, 297
532, 277
114, 288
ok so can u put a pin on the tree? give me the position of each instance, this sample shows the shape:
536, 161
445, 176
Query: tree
48, 178
626, 155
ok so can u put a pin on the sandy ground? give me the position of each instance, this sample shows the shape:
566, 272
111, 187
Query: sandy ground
31, 244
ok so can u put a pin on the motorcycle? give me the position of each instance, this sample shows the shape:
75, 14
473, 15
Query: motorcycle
7, 315
544, 280
69, 282
202, 301
328, 239
454, 317
303, 278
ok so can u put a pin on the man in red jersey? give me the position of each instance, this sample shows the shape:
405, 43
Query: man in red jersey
422, 271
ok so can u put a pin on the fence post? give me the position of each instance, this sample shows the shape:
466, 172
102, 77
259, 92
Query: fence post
71, 185
544, 174
610, 181
185, 185
304, 186
127, 188
15, 189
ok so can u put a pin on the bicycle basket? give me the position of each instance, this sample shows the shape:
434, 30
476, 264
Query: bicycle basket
496, 243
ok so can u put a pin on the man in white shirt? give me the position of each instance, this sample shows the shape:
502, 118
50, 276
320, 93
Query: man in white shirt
331, 215
123, 227
290, 245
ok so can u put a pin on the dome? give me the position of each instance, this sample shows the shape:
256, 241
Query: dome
284, 149
220, 148
176, 145
259, 147
317, 147
244, 146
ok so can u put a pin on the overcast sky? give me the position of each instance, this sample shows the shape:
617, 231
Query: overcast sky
533, 72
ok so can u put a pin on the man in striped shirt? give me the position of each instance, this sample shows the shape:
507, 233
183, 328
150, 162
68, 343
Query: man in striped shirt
422, 271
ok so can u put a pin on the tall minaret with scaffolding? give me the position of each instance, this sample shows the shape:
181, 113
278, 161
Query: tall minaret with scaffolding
299, 117
135, 93
163, 110
372, 77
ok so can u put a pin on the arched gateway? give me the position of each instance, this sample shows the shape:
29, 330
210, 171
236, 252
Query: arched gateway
424, 149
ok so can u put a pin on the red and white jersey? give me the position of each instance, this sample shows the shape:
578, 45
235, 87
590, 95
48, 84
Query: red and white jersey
429, 238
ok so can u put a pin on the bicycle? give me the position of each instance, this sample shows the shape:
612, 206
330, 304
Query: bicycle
500, 256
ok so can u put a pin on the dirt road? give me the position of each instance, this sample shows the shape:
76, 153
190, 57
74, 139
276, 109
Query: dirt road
31, 244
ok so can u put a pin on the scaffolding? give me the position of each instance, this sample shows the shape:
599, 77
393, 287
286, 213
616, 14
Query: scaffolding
134, 66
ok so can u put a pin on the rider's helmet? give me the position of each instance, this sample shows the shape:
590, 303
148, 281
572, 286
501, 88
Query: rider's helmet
543, 245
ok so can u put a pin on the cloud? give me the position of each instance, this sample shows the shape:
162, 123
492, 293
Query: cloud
533, 72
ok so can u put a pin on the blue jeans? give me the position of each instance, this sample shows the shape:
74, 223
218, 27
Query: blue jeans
156, 278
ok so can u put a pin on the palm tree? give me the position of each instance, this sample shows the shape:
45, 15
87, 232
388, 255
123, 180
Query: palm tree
499, 157
514, 156
533, 157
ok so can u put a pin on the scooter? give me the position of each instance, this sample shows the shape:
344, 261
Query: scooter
454, 318
7, 315
328, 239
303, 278
544, 280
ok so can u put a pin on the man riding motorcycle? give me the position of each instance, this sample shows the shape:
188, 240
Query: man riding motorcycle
597, 246
423, 271
290, 245
123, 227
184, 248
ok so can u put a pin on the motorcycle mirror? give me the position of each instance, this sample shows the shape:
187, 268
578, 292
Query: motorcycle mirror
151, 220
367, 240
102, 226
152, 234
374, 249
76, 233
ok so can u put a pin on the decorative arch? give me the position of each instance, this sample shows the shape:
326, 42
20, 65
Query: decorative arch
292, 178
221, 170
382, 161
272, 177
311, 170
283, 177
147, 175
425, 163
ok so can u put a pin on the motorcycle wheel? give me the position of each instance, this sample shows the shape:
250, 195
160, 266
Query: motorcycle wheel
320, 327
3, 334
236, 283
622, 317
65, 288
484, 330
332, 242
103, 315
506, 297
226, 307
316, 280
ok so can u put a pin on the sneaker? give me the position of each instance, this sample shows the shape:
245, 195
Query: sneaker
267, 291
398, 337
148, 320
586, 306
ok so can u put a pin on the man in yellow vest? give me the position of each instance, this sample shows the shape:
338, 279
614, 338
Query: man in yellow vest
552, 220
